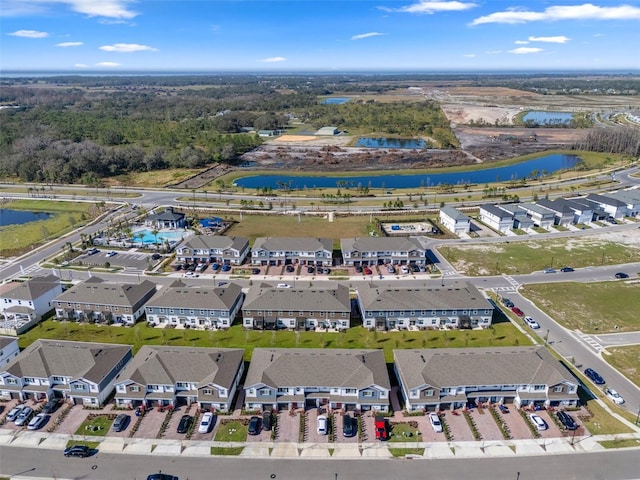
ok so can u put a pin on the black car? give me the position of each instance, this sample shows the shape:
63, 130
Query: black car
267, 419
77, 451
310, 269
567, 420
255, 426
290, 268
566, 269
255, 271
594, 376
358, 269
185, 423
326, 271
52, 405
621, 275
349, 426
508, 303
415, 268
156, 256
162, 476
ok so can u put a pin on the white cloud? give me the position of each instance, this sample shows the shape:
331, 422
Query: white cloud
557, 39
92, 8
427, 7
599, 35
493, 52
525, 50
29, 34
69, 44
469, 55
521, 42
81, 65
107, 64
585, 11
366, 35
273, 60
127, 48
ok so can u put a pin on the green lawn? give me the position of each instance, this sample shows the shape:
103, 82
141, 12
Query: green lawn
589, 307
233, 431
622, 443
625, 360
534, 255
502, 334
403, 432
96, 425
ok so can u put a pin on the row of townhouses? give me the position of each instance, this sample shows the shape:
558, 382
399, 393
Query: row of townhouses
265, 307
429, 379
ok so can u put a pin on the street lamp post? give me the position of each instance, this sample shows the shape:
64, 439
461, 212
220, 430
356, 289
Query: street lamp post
546, 338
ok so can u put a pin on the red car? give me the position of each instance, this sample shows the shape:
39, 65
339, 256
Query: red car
367, 271
382, 432
517, 311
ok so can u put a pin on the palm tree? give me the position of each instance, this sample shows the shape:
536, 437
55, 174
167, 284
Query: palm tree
155, 232
140, 235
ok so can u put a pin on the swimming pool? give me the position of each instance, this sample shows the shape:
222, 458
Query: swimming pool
171, 236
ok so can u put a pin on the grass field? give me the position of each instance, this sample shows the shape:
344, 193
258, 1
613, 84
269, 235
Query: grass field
97, 426
65, 216
154, 179
524, 257
502, 334
589, 307
626, 361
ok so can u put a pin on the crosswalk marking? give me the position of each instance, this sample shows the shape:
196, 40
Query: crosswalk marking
589, 340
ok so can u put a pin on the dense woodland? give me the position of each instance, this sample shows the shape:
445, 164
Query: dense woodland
80, 129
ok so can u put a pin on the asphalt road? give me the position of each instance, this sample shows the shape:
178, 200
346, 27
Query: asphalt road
50, 464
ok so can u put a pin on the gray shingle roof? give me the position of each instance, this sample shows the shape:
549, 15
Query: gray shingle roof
324, 298
46, 358
448, 367
218, 298
302, 244
498, 212
605, 200
306, 367
31, 289
166, 214
457, 295
209, 242
4, 341
97, 291
454, 213
376, 244
164, 365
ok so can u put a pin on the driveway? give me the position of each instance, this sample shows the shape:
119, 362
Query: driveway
288, 428
150, 424
460, 431
312, 435
486, 424
339, 423
171, 432
77, 414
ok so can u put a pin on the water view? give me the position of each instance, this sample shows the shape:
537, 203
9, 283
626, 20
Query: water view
335, 100
19, 217
148, 237
383, 142
548, 118
548, 164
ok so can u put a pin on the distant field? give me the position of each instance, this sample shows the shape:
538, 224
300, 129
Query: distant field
589, 307
156, 178
625, 360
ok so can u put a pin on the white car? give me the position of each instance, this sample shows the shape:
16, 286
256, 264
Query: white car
206, 423
435, 422
532, 323
111, 253
38, 421
283, 285
614, 396
323, 425
24, 416
538, 422
404, 270
191, 275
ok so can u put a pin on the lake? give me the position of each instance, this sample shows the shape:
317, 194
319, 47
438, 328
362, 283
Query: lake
335, 100
548, 118
19, 217
549, 163
383, 142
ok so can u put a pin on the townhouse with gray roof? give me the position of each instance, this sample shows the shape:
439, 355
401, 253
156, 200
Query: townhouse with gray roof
82, 372
213, 249
496, 218
167, 375
613, 207
8, 349
629, 197
541, 217
195, 307
299, 307
348, 379
520, 218
364, 251
455, 305
98, 301
22, 304
450, 378
454, 220
292, 250
563, 214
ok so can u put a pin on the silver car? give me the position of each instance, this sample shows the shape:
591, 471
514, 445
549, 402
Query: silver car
24, 416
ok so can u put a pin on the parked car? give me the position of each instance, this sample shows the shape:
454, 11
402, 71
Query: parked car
226, 267
382, 432
614, 396
612, 220
13, 414
112, 253
435, 422
621, 275
215, 267
24, 416
310, 269
358, 269
185, 423
391, 269
594, 376
567, 420
349, 426
283, 285
549, 270
206, 423
517, 311
422, 268
255, 425
508, 303
162, 476
404, 269
191, 275
539, 423
326, 271
290, 268
368, 271
201, 267
121, 422
415, 268
156, 256
37, 422
52, 405
531, 323
566, 269
77, 451
323, 425
267, 420
92, 251
255, 271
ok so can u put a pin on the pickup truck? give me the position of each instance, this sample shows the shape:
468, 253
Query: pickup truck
382, 432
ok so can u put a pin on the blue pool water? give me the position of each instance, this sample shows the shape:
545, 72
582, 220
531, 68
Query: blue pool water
162, 236
548, 118
383, 142
335, 100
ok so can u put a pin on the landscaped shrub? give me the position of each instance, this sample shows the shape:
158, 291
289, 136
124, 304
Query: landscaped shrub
472, 425
501, 423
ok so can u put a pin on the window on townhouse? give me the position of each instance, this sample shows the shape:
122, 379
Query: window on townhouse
367, 394
283, 390
429, 393
558, 389
538, 388
207, 391
350, 391
58, 379
134, 388
264, 391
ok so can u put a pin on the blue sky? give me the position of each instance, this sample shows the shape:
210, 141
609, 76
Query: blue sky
237, 35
